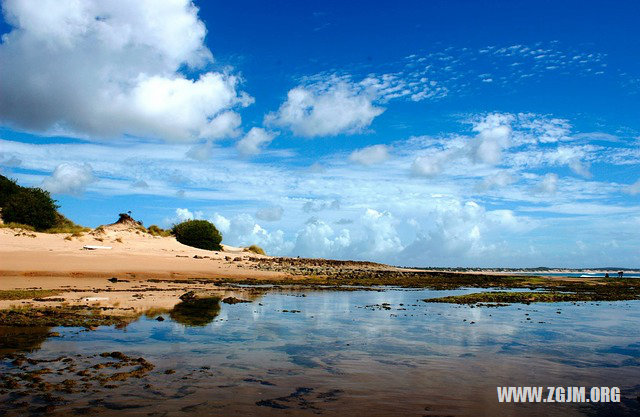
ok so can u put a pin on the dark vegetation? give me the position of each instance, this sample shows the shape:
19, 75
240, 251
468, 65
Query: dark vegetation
503, 297
32, 207
198, 234
26, 294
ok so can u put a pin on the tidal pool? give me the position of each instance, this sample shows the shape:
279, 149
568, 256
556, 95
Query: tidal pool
347, 353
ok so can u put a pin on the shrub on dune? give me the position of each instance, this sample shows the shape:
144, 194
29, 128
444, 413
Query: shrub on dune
255, 249
158, 231
199, 234
8, 188
32, 206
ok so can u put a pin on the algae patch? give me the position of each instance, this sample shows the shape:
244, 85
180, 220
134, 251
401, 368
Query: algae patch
526, 297
26, 294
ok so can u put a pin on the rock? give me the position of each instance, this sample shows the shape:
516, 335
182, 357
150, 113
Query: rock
237, 259
113, 279
159, 318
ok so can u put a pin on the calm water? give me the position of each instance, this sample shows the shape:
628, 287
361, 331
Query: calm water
347, 353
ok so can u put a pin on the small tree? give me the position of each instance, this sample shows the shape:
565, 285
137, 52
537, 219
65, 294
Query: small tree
31, 206
199, 234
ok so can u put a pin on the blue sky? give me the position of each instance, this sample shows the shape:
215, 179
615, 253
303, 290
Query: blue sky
440, 133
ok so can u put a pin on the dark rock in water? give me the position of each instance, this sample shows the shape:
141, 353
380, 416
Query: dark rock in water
188, 296
159, 318
234, 300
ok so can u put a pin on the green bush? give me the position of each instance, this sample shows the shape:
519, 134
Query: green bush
199, 234
32, 206
8, 187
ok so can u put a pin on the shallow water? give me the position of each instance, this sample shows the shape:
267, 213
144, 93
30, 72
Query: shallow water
347, 353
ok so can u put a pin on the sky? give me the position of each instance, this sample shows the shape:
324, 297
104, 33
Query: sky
439, 133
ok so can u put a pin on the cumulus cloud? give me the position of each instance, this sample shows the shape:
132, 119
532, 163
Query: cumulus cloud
221, 222
270, 214
113, 68
494, 132
326, 108
183, 214
318, 239
254, 141
370, 155
69, 179
242, 230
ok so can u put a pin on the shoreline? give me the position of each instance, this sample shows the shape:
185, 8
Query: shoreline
142, 272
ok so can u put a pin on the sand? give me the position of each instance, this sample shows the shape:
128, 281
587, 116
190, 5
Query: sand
31, 260
133, 254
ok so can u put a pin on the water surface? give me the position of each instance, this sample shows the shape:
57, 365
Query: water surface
374, 353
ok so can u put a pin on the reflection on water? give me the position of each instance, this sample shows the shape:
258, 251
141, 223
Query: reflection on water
349, 353
196, 312
22, 339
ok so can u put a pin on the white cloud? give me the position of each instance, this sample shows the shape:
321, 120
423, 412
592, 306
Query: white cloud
69, 179
634, 189
183, 214
254, 141
201, 152
313, 206
497, 180
370, 155
270, 214
549, 184
427, 166
318, 239
222, 223
494, 133
242, 230
113, 68
326, 108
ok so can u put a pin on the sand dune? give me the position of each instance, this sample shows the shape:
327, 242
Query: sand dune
133, 253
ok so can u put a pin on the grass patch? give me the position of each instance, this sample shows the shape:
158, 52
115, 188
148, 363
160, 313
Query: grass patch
26, 294
506, 297
255, 249
13, 225
158, 231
